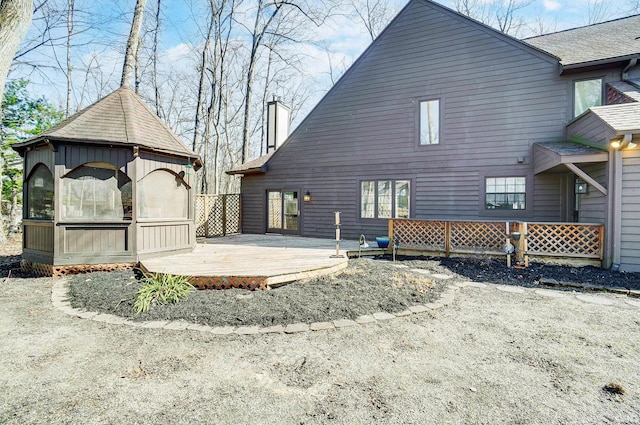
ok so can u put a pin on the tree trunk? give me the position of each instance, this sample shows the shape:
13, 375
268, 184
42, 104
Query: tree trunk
70, 11
133, 44
15, 20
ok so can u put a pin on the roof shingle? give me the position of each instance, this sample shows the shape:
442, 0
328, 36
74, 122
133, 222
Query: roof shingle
120, 118
613, 39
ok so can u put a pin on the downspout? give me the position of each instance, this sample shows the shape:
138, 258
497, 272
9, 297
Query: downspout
632, 63
614, 204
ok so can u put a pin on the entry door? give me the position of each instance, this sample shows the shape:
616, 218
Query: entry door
283, 211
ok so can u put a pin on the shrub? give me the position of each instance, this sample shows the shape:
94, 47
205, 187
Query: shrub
160, 289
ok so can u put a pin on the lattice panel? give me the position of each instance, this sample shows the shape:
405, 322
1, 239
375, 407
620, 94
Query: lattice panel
217, 215
477, 236
228, 282
56, 271
583, 240
233, 214
420, 234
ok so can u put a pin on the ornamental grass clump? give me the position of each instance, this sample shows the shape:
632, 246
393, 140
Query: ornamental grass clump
160, 289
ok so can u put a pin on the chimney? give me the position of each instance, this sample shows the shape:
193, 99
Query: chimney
278, 120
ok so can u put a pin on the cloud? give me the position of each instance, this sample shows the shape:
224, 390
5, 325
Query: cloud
551, 4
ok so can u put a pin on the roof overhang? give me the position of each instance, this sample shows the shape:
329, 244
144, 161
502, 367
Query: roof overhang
554, 157
595, 65
54, 142
255, 166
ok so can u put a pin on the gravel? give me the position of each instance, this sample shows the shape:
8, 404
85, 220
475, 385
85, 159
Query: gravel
540, 356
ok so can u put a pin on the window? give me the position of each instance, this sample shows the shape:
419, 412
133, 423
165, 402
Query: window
96, 191
162, 194
586, 93
505, 193
40, 193
384, 199
430, 122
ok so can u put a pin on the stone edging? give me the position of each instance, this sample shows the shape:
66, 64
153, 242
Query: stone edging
59, 301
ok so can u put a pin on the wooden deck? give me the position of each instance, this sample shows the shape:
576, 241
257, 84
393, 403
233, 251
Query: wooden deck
254, 261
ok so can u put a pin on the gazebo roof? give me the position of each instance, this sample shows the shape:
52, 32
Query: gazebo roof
120, 118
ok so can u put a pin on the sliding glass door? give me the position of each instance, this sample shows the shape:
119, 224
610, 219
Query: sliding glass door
283, 211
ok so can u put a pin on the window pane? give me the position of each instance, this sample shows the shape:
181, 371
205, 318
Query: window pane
40, 193
586, 94
506, 193
291, 210
274, 219
402, 199
96, 192
384, 199
430, 122
162, 194
367, 199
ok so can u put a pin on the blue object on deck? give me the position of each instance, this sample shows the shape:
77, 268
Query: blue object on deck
383, 242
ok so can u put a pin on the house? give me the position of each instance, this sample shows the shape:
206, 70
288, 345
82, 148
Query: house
443, 117
105, 188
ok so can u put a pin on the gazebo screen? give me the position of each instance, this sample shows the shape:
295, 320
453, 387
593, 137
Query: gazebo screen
40, 193
164, 195
96, 191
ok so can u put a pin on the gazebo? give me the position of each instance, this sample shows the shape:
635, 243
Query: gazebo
105, 188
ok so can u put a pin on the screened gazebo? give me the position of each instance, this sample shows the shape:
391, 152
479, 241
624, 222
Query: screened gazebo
105, 188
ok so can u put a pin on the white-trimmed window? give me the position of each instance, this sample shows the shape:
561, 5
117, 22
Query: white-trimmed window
505, 193
586, 93
385, 199
430, 122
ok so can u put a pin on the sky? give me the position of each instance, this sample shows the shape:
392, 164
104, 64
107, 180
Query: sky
343, 40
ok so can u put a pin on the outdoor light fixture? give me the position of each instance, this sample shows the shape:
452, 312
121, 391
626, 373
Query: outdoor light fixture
625, 143
306, 197
581, 187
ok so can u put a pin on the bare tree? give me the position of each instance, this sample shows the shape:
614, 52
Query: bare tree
70, 24
598, 11
503, 15
634, 6
133, 44
278, 21
374, 15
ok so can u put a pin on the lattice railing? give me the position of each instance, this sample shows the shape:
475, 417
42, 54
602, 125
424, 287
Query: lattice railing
477, 236
565, 239
217, 215
419, 234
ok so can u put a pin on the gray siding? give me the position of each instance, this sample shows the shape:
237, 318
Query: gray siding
593, 205
590, 128
497, 96
630, 214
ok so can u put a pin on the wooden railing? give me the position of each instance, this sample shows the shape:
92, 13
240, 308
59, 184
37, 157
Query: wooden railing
218, 215
563, 241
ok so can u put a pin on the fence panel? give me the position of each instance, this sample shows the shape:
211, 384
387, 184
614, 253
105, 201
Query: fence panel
419, 234
218, 215
565, 239
478, 237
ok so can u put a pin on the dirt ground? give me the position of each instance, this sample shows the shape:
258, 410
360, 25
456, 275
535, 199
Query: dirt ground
514, 354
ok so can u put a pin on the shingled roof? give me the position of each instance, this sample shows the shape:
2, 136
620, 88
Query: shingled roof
612, 40
120, 118
622, 118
